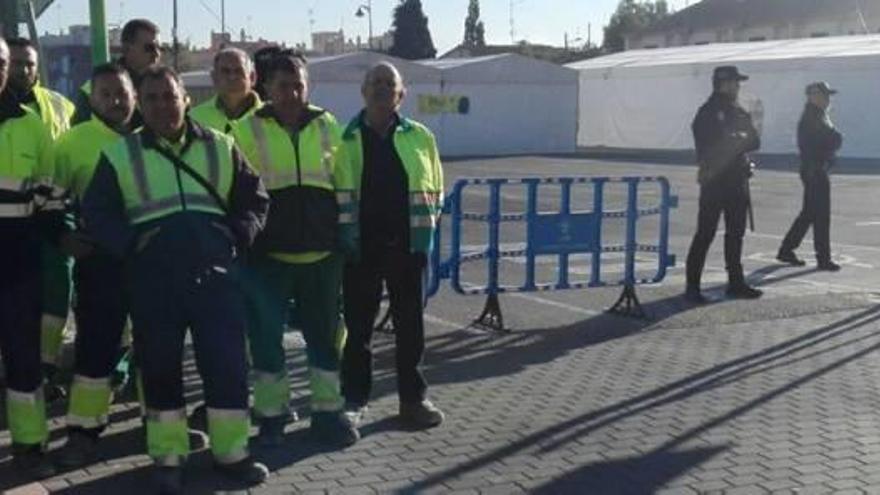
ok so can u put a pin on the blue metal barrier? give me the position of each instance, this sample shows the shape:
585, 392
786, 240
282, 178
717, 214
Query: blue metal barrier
559, 233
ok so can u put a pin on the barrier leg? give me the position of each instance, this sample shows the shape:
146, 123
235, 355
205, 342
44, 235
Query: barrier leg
628, 304
491, 317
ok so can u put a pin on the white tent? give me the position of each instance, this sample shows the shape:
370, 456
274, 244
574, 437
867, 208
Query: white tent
496, 105
646, 99
507, 104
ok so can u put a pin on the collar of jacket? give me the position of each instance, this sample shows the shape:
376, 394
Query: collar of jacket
10, 107
128, 129
312, 112
193, 132
254, 98
403, 124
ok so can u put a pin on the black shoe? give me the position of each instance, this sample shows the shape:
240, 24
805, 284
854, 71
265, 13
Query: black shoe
81, 449
334, 428
32, 462
168, 480
828, 266
743, 291
694, 296
422, 414
245, 471
271, 431
790, 258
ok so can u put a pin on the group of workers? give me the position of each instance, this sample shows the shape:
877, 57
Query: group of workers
208, 222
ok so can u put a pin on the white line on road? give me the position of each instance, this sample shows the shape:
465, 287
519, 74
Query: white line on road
867, 224
443, 323
779, 238
555, 304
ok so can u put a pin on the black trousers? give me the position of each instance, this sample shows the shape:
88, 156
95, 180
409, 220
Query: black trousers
402, 273
815, 212
717, 200
101, 312
20, 308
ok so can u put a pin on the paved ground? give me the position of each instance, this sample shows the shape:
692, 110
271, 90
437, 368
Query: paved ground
779, 395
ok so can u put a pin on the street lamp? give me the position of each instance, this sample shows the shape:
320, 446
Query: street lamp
360, 13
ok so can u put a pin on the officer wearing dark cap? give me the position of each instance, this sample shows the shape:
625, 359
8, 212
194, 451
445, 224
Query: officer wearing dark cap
818, 142
723, 135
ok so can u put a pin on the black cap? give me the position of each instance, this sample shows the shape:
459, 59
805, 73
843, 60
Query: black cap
821, 87
728, 73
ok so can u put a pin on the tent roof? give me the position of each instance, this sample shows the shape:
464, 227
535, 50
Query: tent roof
721, 53
501, 68
351, 67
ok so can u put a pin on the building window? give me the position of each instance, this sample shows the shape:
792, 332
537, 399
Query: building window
701, 43
651, 47
758, 38
819, 35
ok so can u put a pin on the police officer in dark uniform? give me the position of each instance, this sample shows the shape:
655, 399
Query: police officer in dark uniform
818, 142
723, 135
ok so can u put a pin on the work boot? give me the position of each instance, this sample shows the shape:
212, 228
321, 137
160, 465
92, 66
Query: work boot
422, 414
168, 480
334, 428
693, 295
828, 266
245, 471
271, 431
741, 290
81, 449
790, 258
32, 462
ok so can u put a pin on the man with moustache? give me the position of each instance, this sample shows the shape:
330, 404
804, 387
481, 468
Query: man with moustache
234, 77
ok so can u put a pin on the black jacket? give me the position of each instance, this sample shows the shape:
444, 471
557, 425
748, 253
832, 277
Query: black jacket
723, 136
818, 140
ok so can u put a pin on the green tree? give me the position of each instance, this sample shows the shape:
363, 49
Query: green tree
412, 39
474, 30
632, 16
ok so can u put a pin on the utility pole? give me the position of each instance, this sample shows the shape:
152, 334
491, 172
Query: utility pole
223, 18
176, 48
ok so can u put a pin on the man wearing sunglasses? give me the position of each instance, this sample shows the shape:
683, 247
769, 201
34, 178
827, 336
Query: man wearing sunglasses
141, 50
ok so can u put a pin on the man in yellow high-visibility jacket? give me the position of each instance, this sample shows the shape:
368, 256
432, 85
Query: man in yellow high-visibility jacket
178, 203
56, 112
233, 75
295, 147
101, 308
398, 182
30, 214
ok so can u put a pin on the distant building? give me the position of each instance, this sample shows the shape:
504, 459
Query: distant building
328, 42
68, 56
383, 42
721, 21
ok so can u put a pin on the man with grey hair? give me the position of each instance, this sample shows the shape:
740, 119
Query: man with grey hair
398, 190
234, 77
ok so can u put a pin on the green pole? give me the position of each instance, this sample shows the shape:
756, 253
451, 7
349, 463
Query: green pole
98, 15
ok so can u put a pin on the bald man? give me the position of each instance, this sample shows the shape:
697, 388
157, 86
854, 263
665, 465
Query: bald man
398, 187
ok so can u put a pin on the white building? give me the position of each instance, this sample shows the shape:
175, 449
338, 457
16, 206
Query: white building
646, 99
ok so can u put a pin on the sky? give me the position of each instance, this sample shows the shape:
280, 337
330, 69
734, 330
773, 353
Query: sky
536, 21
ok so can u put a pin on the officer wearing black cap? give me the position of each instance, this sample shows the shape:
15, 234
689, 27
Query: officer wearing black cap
818, 142
723, 135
